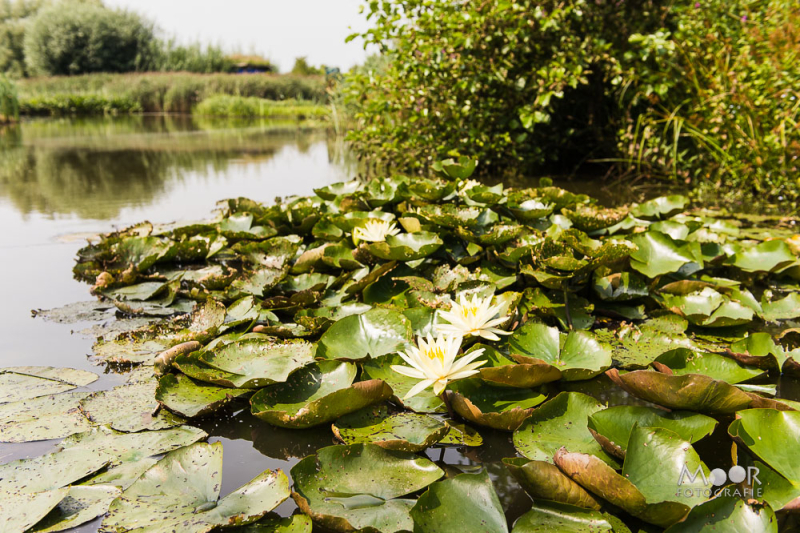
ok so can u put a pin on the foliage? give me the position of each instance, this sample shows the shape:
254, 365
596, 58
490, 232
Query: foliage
239, 106
77, 104
303, 68
703, 93
164, 92
15, 15
169, 56
77, 38
9, 100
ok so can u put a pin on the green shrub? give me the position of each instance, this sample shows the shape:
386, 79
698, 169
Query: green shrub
14, 17
169, 56
76, 38
9, 102
78, 104
239, 106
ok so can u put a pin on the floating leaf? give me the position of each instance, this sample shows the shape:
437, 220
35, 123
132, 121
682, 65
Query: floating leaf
772, 436
361, 486
51, 471
187, 398
408, 432
317, 394
43, 418
730, 513
441, 508
19, 512
768, 256
544, 481
372, 334
181, 493
129, 408
406, 246
255, 363
659, 254
81, 505
494, 407
27, 382
561, 422
558, 518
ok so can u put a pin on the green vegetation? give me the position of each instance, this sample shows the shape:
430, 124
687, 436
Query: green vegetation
603, 351
158, 92
77, 38
703, 93
9, 101
302, 68
239, 106
15, 15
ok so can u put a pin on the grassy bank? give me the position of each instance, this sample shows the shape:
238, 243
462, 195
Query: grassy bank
156, 92
240, 106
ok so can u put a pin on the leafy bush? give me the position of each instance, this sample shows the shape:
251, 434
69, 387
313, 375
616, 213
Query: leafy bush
303, 68
76, 38
78, 104
14, 16
9, 103
240, 106
169, 56
696, 91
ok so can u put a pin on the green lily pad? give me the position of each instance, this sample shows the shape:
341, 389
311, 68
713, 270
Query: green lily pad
544, 481
461, 435
330, 192
659, 254
590, 218
256, 363
51, 471
381, 368
772, 436
612, 427
708, 308
783, 309
181, 493
372, 334
181, 395
690, 392
317, 394
662, 207
129, 408
27, 382
501, 370
495, 407
19, 512
561, 422
758, 349
727, 513
81, 505
559, 518
619, 287
638, 346
578, 354
683, 362
768, 256
408, 432
441, 508
651, 476
132, 447
298, 523
361, 487
43, 418
406, 246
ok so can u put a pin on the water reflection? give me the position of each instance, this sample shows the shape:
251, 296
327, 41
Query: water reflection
95, 168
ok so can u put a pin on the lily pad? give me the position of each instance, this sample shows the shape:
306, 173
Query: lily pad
298, 523
578, 354
561, 422
495, 407
659, 254
639, 346
406, 246
441, 508
372, 334
129, 408
257, 363
81, 505
544, 481
612, 427
768, 256
27, 382
683, 362
317, 394
408, 432
727, 513
501, 370
43, 418
19, 512
558, 518
181, 395
771, 435
181, 493
361, 487
50, 471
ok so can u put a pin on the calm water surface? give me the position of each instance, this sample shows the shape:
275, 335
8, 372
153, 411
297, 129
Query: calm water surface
62, 181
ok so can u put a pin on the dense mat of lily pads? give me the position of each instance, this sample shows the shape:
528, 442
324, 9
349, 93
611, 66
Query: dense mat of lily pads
406, 314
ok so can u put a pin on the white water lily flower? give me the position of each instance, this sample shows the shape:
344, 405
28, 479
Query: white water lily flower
375, 230
473, 317
435, 363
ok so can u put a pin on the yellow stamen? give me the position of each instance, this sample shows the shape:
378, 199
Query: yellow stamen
435, 353
469, 310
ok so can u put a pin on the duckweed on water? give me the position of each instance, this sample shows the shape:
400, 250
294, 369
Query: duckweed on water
303, 309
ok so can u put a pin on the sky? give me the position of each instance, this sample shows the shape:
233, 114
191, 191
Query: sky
280, 30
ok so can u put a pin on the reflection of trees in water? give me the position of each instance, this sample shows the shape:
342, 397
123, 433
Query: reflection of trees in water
76, 167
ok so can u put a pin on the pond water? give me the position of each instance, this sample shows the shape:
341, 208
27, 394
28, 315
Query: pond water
62, 181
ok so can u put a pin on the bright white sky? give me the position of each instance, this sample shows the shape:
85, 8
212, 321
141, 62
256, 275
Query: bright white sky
278, 29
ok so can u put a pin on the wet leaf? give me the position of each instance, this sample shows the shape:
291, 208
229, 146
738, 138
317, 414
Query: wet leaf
81, 505
558, 518
372, 334
544, 481
730, 513
256, 363
406, 246
660, 254
43, 418
181, 492
19, 512
181, 395
441, 508
51, 471
361, 486
771, 435
27, 382
495, 407
129, 408
317, 394
408, 432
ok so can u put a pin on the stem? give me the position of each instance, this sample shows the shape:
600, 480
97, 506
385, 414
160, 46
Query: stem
446, 399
